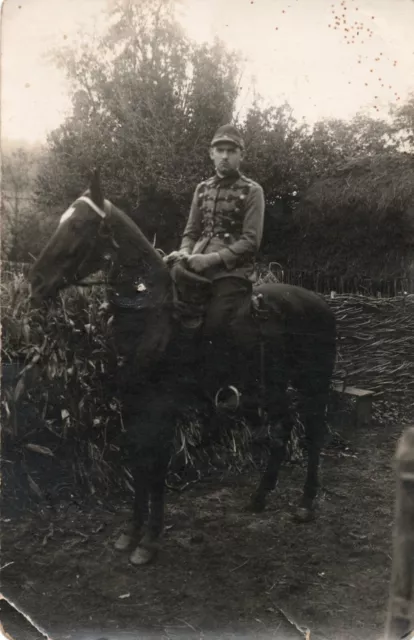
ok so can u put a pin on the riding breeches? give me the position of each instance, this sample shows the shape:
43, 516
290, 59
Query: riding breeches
228, 297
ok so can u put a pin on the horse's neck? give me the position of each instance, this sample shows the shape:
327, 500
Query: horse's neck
137, 263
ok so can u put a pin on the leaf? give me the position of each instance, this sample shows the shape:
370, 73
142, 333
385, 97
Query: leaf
6, 407
26, 332
65, 414
52, 370
34, 487
39, 449
18, 389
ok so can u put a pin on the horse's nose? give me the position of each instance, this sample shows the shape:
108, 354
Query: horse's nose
36, 284
35, 281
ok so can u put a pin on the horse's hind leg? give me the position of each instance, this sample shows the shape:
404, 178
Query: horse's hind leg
280, 427
313, 410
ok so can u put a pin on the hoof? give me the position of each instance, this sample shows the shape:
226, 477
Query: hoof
141, 556
123, 542
304, 514
256, 505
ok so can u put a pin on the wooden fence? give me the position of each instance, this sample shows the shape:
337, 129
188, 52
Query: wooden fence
385, 287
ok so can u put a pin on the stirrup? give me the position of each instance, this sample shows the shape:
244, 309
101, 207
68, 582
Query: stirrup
192, 323
231, 402
258, 306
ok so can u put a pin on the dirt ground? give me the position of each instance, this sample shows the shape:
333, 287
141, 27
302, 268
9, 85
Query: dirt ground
222, 572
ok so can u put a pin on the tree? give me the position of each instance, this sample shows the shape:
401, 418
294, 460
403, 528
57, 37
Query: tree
274, 141
403, 123
333, 142
146, 102
359, 218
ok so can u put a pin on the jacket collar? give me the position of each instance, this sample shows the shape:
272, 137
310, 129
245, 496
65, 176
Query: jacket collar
226, 180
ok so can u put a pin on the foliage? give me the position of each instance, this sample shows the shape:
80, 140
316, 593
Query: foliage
367, 204
286, 157
145, 104
333, 142
68, 366
403, 122
19, 225
274, 141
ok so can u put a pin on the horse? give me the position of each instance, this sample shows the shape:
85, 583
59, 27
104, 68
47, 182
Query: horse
289, 342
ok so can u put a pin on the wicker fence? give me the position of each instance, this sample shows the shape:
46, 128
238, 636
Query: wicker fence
376, 343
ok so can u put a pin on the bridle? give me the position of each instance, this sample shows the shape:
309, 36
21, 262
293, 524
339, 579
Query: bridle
103, 213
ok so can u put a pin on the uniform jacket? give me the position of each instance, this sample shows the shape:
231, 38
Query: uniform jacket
226, 217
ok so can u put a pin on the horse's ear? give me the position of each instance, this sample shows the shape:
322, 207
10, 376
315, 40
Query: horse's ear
95, 188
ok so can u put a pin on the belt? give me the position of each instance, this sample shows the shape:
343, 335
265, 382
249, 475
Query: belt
223, 235
125, 302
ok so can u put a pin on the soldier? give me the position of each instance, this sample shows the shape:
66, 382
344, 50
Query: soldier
224, 229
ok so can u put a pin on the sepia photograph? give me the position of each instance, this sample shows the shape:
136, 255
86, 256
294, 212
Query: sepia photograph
207, 320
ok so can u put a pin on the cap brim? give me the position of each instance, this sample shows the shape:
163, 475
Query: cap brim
226, 139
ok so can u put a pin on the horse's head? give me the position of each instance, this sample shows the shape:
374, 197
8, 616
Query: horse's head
89, 229
76, 248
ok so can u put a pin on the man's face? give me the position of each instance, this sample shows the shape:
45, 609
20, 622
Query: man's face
226, 157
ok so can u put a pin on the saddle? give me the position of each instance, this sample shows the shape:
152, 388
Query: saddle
192, 294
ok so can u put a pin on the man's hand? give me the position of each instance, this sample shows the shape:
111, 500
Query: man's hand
176, 256
200, 261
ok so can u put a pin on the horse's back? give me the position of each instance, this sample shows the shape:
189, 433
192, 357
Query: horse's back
297, 304
306, 324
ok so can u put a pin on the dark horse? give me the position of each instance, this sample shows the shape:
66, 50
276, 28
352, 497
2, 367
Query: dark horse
292, 343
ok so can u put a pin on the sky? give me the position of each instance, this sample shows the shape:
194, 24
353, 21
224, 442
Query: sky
327, 58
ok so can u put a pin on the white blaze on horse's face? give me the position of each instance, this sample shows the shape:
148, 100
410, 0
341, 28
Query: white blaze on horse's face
73, 251
67, 214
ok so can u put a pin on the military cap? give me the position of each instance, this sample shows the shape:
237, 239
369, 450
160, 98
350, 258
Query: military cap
228, 133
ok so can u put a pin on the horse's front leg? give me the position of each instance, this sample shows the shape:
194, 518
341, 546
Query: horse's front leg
149, 545
134, 529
